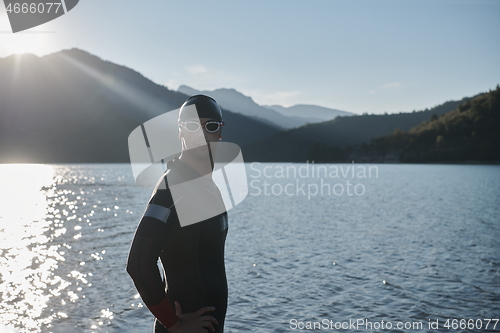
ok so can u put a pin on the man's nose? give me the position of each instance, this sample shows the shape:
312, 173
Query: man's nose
207, 135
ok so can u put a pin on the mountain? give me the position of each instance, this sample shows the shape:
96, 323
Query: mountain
73, 107
470, 133
296, 145
232, 99
319, 113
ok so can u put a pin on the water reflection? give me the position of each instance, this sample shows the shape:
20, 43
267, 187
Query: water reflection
26, 261
28, 257
64, 237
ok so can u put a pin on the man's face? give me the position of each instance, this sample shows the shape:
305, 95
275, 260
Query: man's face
196, 142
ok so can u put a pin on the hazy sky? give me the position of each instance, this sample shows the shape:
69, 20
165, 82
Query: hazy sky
360, 56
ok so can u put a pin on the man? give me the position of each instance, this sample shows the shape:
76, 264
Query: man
191, 252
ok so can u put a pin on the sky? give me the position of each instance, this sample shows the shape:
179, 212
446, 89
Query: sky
371, 56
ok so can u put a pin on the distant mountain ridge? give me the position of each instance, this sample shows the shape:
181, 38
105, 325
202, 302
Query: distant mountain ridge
233, 100
318, 112
284, 117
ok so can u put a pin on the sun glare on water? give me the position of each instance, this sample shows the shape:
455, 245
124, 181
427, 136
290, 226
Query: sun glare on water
27, 259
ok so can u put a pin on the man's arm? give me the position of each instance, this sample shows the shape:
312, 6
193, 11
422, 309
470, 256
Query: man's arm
142, 265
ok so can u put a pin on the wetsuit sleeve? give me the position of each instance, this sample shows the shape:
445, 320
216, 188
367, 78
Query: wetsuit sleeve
148, 242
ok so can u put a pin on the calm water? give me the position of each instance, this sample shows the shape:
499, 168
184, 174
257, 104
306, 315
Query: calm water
431, 232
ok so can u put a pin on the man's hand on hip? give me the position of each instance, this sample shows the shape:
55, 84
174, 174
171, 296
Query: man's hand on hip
193, 322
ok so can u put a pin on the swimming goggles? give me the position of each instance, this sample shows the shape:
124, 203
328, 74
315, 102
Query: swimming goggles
211, 126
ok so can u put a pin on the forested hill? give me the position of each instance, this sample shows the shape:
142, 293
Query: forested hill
471, 133
297, 145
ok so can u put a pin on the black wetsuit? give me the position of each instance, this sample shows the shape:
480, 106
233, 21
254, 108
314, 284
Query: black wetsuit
192, 256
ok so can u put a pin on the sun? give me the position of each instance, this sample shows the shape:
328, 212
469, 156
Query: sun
28, 42
35, 40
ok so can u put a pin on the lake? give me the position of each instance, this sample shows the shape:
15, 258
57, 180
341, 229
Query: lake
326, 246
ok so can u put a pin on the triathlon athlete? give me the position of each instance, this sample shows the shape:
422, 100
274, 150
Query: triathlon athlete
192, 256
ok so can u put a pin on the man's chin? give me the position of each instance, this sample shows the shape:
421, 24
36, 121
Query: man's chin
199, 152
